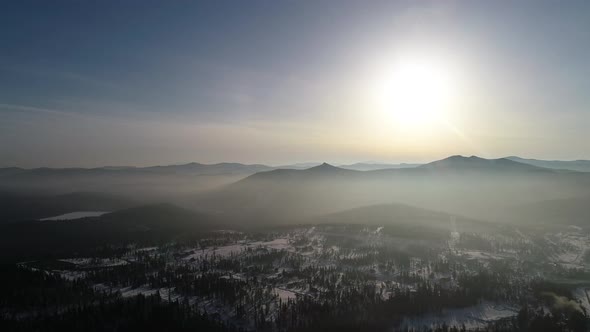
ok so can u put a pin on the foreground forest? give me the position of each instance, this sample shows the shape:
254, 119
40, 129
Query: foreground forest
311, 278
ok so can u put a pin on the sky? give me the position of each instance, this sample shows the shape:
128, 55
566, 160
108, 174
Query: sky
93, 83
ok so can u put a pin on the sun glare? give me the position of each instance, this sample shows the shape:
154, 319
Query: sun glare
415, 93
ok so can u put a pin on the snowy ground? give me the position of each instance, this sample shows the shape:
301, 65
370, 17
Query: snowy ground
235, 249
95, 262
483, 255
572, 247
284, 294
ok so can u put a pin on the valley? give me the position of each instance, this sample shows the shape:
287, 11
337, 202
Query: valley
454, 245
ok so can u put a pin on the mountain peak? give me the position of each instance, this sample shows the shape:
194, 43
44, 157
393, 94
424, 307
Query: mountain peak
470, 159
459, 162
322, 170
323, 167
460, 157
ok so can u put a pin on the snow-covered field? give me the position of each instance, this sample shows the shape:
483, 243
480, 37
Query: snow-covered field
238, 248
482, 255
284, 294
95, 262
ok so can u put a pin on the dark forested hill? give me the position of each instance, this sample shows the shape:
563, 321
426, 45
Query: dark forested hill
159, 223
20, 206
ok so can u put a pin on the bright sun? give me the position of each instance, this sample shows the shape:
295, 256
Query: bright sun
415, 93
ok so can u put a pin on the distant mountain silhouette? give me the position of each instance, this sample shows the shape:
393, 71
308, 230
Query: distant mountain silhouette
471, 186
192, 168
298, 165
479, 188
155, 182
573, 165
474, 163
323, 167
323, 170
327, 169
15, 174
367, 166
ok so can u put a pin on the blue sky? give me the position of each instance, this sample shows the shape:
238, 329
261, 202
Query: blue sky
155, 82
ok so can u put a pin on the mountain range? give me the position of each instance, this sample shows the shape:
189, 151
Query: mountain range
225, 168
490, 189
573, 165
472, 186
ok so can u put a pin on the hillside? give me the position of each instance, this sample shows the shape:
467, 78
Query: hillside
152, 183
566, 211
158, 218
146, 225
19, 207
471, 186
573, 165
474, 163
407, 221
323, 170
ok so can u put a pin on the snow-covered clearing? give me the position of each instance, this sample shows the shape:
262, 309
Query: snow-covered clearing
284, 294
95, 262
236, 249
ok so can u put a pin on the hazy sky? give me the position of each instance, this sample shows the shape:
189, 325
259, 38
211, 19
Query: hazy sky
87, 83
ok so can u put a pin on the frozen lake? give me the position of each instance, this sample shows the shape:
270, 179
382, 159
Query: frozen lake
76, 215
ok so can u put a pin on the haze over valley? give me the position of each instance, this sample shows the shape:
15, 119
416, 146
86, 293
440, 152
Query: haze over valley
295, 166
450, 223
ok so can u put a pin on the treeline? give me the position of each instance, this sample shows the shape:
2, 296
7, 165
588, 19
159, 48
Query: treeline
134, 314
361, 307
333, 293
206, 298
25, 293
